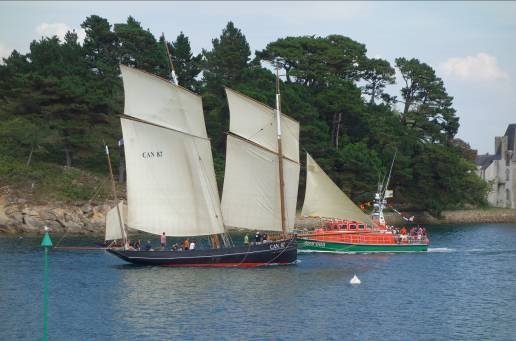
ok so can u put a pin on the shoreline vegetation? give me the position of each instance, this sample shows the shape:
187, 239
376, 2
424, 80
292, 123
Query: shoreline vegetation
61, 101
21, 216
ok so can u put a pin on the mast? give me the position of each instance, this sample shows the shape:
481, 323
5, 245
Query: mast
280, 154
252, 148
172, 70
122, 229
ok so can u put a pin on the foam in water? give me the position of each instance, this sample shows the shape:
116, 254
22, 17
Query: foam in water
440, 249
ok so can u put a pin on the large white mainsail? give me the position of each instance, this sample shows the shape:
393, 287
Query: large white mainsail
251, 195
171, 184
323, 198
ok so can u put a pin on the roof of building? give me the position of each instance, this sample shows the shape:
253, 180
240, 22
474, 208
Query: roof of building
510, 133
485, 160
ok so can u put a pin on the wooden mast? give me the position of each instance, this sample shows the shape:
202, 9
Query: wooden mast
172, 70
122, 229
280, 154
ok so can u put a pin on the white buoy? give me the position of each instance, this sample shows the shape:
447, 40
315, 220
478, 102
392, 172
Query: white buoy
355, 280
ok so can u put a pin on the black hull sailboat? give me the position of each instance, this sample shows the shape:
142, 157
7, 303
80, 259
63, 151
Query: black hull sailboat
171, 184
273, 253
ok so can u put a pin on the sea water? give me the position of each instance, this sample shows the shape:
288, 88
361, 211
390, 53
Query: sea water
463, 288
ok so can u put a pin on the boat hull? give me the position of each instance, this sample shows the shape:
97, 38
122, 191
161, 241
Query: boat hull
308, 244
272, 253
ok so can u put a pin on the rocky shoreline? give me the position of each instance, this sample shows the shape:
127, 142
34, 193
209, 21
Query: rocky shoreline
18, 216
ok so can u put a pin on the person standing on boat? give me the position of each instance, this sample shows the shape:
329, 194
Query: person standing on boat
246, 239
148, 246
186, 244
192, 245
163, 241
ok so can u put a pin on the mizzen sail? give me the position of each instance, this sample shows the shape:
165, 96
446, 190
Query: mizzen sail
323, 198
251, 196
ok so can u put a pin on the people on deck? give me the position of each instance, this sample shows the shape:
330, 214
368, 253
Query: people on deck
186, 244
246, 239
138, 244
148, 246
163, 241
174, 247
264, 238
192, 245
257, 238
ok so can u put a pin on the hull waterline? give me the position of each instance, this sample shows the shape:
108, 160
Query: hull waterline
272, 253
307, 244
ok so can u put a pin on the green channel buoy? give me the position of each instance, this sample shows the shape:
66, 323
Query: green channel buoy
46, 243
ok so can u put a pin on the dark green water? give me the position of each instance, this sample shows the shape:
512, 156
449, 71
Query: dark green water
464, 288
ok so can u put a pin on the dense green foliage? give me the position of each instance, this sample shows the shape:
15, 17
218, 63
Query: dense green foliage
60, 102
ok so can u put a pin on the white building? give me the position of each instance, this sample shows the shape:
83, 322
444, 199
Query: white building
500, 170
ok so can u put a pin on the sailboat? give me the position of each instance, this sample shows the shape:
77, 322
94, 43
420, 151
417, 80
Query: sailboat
346, 228
171, 185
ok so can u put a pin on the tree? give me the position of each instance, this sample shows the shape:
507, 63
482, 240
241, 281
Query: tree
228, 58
316, 61
427, 104
187, 66
340, 104
101, 50
139, 48
377, 73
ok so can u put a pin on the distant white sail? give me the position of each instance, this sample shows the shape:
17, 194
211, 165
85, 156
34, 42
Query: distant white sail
323, 198
113, 229
251, 195
171, 184
153, 99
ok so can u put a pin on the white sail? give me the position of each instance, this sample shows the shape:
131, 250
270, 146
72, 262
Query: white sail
323, 198
171, 184
251, 195
113, 229
256, 122
152, 99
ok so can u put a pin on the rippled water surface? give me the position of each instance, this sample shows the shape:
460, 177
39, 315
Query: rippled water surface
463, 288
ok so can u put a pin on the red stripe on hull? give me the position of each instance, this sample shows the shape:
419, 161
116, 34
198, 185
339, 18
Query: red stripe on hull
221, 265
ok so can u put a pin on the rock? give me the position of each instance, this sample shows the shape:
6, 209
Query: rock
47, 214
73, 227
33, 223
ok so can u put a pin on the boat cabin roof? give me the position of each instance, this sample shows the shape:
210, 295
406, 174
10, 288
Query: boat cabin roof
345, 225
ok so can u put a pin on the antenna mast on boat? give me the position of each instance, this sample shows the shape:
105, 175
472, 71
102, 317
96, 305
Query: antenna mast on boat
389, 177
172, 70
122, 229
280, 153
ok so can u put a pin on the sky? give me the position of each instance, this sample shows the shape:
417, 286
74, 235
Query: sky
471, 45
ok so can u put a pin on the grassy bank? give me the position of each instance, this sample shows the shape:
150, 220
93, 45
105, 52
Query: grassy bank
46, 182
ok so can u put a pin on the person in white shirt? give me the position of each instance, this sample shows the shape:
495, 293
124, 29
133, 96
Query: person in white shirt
192, 245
